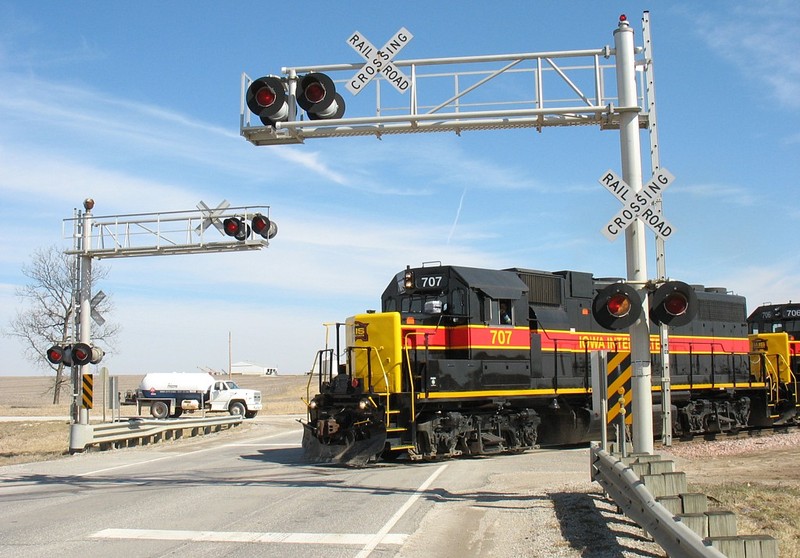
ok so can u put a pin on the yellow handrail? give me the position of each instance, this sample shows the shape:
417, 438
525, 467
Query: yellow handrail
773, 374
406, 347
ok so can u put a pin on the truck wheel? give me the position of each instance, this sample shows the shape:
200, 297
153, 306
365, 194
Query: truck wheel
159, 409
237, 408
250, 414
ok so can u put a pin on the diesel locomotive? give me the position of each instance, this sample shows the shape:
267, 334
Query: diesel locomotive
469, 361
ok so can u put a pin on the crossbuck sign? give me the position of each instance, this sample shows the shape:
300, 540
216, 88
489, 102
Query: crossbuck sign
379, 61
637, 205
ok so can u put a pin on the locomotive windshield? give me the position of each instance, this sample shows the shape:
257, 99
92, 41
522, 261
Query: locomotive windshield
427, 304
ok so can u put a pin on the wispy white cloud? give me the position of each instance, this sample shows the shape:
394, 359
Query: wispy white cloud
779, 281
762, 40
721, 193
138, 128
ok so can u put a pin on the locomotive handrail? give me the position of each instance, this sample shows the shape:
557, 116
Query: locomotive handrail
385, 382
780, 357
769, 370
410, 374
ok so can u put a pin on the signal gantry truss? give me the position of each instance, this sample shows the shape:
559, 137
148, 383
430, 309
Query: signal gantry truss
530, 90
170, 232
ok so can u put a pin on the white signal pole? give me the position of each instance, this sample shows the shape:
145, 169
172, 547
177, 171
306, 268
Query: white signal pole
85, 289
635, 246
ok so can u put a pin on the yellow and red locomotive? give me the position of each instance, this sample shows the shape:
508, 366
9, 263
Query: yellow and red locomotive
472, 361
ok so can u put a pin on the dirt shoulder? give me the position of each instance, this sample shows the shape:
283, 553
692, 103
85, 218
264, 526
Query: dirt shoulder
759, 458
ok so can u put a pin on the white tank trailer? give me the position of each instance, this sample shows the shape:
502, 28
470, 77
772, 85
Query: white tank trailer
169, 394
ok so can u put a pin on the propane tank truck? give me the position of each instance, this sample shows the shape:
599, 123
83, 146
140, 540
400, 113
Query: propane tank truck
170, 394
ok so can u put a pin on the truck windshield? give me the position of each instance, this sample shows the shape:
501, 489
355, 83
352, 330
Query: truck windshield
231, 384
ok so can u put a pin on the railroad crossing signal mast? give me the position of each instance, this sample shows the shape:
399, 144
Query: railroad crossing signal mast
563, 88
138, 235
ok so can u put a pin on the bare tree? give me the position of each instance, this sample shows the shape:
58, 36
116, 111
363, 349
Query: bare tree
48, 315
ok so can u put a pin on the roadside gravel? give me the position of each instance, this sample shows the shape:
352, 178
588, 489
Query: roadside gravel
538, 504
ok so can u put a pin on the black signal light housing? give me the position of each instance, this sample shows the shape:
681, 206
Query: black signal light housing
617, 306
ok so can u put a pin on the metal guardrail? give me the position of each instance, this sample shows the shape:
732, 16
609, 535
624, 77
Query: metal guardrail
636, 501
648, 491
138, 431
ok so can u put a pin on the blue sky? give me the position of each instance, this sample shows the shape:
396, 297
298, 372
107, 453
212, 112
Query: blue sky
136, 104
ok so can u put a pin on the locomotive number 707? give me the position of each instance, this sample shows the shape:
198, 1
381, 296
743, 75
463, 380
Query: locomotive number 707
431, 281
501, 337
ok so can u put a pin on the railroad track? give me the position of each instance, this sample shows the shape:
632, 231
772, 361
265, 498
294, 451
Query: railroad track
747, 433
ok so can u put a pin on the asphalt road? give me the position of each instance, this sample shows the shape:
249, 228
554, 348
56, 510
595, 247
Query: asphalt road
248, 493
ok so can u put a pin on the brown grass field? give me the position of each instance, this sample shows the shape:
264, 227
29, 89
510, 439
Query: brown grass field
760, 483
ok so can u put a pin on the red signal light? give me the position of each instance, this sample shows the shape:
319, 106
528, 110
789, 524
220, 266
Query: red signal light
619, 305
676, 304
77, 354
232, 226
81, 353
260, 224
315, 92
263, 226
235, 227
56, 354
265, 96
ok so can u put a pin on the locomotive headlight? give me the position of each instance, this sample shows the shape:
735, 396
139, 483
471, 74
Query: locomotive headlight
408, 278
363, 404
313, 404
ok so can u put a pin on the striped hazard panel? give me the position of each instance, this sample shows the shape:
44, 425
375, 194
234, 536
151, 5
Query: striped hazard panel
618, 373
87, 391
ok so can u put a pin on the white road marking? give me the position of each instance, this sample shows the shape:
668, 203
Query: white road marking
369, 541
380, 535
247, 536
